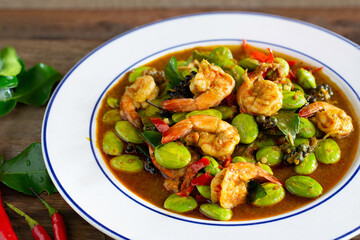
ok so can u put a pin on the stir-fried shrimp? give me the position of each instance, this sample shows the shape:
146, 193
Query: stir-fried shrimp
135, 96
328, 118
215, 137
210, 86
257, 96
229, 187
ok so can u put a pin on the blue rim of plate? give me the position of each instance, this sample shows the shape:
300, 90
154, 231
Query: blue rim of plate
99, 225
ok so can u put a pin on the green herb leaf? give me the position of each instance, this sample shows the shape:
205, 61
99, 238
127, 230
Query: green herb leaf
172, 73
256, 190
289, 124
144, 150
35, 84
154, 138
7, 106
27, 170
9, 64
8, 82
200, 56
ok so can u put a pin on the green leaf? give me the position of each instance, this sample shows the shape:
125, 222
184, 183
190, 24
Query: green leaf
172, 73
35, 84
154, 138
256, 190
9, 64
144, 150
289, 124
200, 56
27, 170
8, 82
7, 106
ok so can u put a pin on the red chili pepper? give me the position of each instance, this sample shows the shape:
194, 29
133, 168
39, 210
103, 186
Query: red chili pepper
196, 166
262, 57
6, 230
38, 231
160, 124
291, 75
191, 172
200, 198
57, 219
292, 63
204, 179
227, 162
246, 47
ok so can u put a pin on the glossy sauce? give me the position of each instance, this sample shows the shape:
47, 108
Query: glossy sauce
150, 186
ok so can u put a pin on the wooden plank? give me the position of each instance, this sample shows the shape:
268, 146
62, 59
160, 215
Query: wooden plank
130, 4
103, 25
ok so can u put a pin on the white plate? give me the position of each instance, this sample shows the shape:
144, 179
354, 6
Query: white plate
82, 178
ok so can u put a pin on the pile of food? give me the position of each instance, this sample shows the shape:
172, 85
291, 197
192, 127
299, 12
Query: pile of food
221, 132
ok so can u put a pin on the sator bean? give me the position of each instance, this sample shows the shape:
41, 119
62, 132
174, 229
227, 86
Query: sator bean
204, 191
274, 194
111, 144
249, 63
306, 128
213, 167
209, 112
242, 159
299, 141
172, 155
128, 132
307, 166
305, 78
179, 116
227, 112
237, 73
328, 151
137, 72
286, 86
303, 186
180, 204
246, 126
298, 88
216, 212
266, 168
112, 102
111, 117
126, 163
270, 155
283, 63
221, 56
263, 142
292, 100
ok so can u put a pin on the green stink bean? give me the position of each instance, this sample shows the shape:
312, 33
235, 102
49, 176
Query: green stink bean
128, 132
249, 63
213, 167
126, 163
307, 166
216, 212
303, 186
286, 86
227, 112
299, 140
180, 204
242, 159
111, 117
266, 168
204, 191
112, 102
306, 128
298, 88
274, 194
111, 144
328, 151
220, 56
246, 126
209, 112
305, 78
263, 142
237, 73
137, 72
270, 155
179, 116
172, 155
292, 100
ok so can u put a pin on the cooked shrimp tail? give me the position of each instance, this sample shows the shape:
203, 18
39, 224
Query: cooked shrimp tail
129, 111
180, 105
311, 109
177, 131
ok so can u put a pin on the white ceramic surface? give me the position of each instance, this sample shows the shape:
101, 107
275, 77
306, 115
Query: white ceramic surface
82, 178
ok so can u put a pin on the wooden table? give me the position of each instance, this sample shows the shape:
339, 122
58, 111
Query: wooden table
60, 39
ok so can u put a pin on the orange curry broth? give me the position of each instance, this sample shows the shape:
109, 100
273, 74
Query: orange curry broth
150, 186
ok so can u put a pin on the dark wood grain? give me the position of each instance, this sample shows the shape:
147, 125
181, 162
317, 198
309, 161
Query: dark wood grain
62, 38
